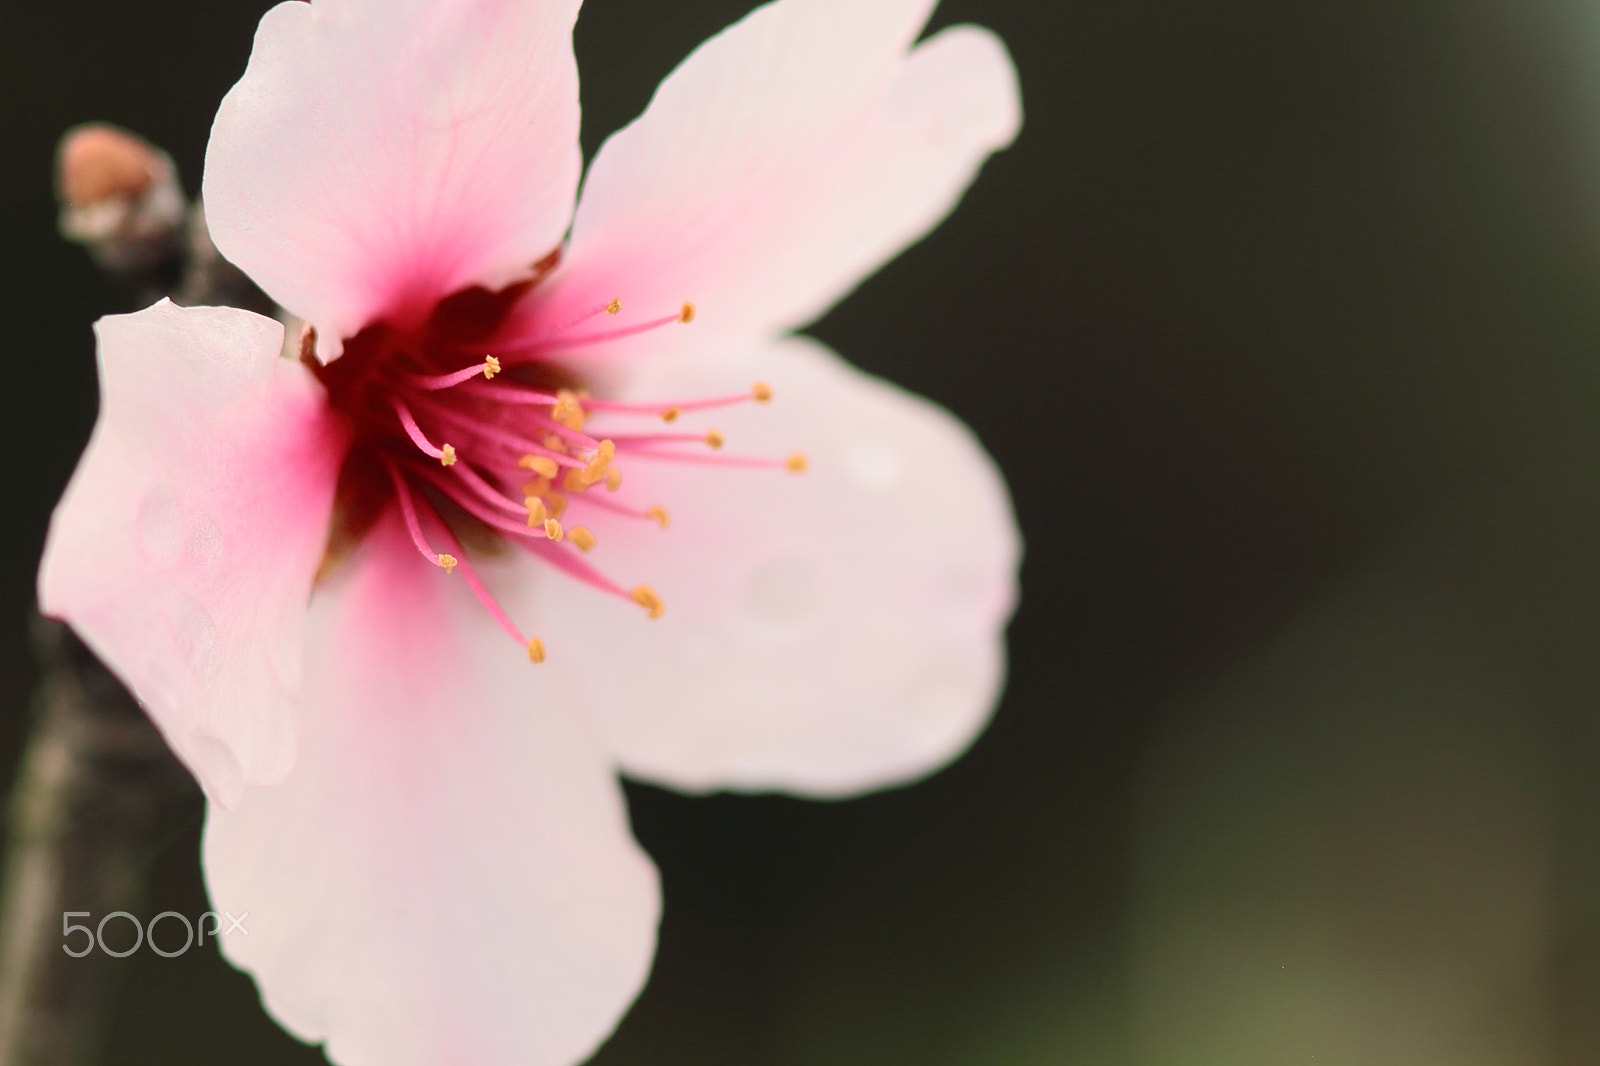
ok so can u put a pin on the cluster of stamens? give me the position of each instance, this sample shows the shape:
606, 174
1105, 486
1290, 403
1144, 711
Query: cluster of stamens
495, 443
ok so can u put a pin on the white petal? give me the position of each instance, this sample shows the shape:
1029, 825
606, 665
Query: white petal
825, 632
378, 155
184, 548
447, 877
785, 160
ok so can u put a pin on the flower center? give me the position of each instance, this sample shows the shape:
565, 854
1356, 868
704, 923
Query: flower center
483, 438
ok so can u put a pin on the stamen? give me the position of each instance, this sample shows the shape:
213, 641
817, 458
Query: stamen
445, 455
408, 513
796, 463
714, 438
576, 567
449, 562
659, 513
616, 508
439, 382
552, 529
684, 315
490, 604
482, 512
445, 416
669, 410
537, 512
646, 597
613, 479
512, 393
634, 440
484, 490
549, 336
582, 538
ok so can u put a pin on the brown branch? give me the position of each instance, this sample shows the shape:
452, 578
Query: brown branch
97, 789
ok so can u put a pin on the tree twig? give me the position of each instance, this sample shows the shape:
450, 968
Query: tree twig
97, 786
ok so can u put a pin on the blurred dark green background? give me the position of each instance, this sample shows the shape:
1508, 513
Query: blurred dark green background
1284, 321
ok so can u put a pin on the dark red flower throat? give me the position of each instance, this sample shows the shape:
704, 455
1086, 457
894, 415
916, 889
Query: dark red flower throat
474, 425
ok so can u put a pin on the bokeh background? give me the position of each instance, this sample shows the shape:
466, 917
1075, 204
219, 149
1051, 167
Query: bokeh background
1284, 321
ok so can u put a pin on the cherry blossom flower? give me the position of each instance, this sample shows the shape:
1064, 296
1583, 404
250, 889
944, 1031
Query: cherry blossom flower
503, 441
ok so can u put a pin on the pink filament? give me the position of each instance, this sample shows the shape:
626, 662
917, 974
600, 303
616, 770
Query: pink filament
414, 431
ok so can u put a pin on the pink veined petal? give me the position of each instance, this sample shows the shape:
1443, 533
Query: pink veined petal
824, 633
379, 154
786, 159
184, 548
447, 877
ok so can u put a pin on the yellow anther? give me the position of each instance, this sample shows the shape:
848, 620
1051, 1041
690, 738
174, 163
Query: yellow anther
659, 513
557, 504
686, 313
539, 486
714, 438
761, 391
542, 465
537, 511
581, 537
596, 468
449, 456
574, 480
670, 414
552, 529
448, 562
646, 597
536, 650
568, 409
554, 443
613, 307
613, 479
796, 463
491, 366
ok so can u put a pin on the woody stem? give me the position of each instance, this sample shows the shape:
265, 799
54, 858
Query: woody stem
97, 791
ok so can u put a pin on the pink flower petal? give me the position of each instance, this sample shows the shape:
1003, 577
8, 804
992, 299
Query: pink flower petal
447, 876
786, 159
378, 155
184, 548
825, 632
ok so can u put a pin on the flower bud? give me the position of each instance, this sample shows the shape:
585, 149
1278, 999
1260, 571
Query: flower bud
119, 197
